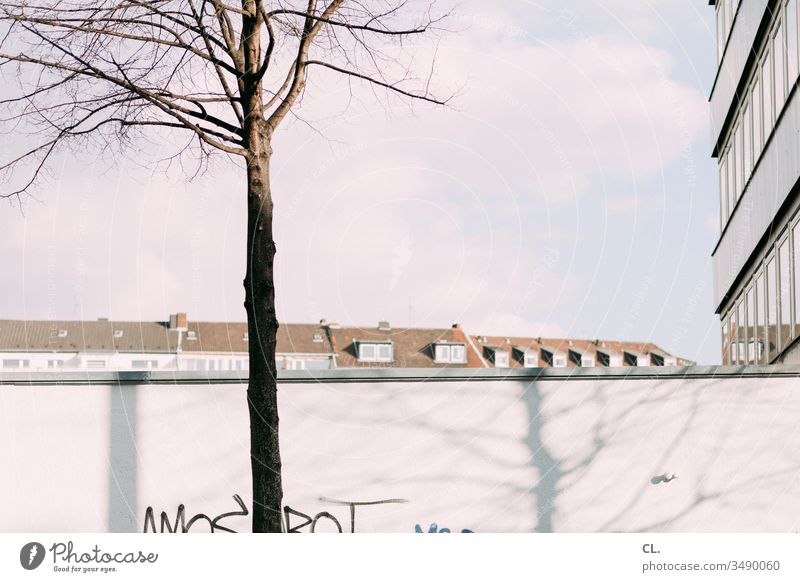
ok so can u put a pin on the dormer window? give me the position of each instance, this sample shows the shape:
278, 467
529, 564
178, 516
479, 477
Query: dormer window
609, 359
581, 359
374, 351
246, 337
663, 360
449, 353
526, 357
554, 358
497, 356
62, 333
318, 338
117, 333
191, 335
636, 359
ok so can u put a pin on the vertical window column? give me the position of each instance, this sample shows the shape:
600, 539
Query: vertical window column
726, 342
757, 122
747, 123
779, 61
750, 332
771, 297
785, 294
731, 163
761, 322
796, 277
723, 193
791, 43
767, 93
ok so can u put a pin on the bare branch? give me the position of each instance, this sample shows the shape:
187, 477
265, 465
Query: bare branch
390, 86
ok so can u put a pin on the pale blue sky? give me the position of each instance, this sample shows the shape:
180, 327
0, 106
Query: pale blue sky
568, 191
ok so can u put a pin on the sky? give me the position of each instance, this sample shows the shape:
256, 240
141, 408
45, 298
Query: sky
567, 190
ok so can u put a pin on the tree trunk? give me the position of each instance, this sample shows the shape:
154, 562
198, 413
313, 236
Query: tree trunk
262, 325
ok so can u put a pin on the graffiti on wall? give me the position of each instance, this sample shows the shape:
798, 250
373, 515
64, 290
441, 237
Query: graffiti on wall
434, 528
311, 522
182, 526
294, 521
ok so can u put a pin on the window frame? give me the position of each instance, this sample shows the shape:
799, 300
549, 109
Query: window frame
376, 346
450, 347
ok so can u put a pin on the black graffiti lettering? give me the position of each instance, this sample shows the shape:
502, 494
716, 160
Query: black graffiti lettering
242, 513
326, 515
182, 526
354, 504
287, 511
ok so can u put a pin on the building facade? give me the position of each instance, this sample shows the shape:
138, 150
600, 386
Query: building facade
755, 126
182, 345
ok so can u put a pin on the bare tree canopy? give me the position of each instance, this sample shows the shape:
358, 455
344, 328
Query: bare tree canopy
89, 70
225, 76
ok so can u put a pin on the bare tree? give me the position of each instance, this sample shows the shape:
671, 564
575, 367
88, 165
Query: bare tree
100, 73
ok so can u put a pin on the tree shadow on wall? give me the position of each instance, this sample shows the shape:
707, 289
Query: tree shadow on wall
558, 475
705, 427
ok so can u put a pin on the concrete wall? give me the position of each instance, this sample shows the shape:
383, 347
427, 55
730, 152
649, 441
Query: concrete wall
491, 451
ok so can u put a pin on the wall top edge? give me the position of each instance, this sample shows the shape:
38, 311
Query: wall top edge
361, 375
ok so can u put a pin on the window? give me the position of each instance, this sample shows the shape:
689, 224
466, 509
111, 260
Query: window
526, 357
739, 150
554, 359
191, 335
62, 333
197, 365
375, 351
741, 332
55, 363
580, 359
497, 356
117, 333
295, 364
144, 364
785, 294
246, 337
750, 353
791, 42
761, 322
734, 334
780, 69
632, 359
723, 190
766, 80
95, 364
450, 353
771, 296
609, 360
16, 363
731, 182
757, 123
726, 344
796, 270
748, 143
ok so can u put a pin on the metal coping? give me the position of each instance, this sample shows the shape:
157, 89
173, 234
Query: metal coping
379, 375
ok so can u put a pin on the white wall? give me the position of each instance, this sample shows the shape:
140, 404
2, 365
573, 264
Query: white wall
548, 455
